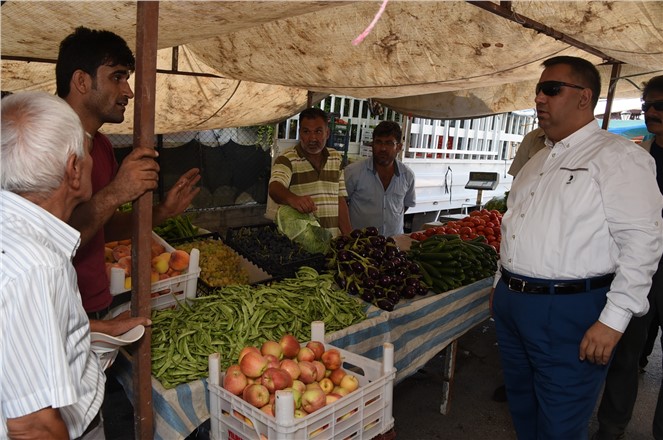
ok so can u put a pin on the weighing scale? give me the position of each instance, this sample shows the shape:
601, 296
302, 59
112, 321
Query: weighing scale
482, 180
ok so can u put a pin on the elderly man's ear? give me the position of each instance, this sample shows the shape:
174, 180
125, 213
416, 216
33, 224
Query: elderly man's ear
73, 172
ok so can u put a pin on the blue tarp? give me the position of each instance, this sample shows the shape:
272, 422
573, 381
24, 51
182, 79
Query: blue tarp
628, 128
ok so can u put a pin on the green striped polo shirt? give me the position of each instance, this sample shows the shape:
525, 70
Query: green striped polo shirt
296, 173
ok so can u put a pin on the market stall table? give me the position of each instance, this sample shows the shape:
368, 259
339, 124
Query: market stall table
418, 329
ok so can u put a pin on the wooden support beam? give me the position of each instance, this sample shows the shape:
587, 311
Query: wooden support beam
614, 77
147, 20
504, 10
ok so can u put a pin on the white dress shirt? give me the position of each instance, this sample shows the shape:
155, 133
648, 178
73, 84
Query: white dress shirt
45, 356
586, 206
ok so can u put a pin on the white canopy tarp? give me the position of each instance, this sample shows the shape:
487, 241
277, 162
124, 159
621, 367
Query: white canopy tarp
435, 59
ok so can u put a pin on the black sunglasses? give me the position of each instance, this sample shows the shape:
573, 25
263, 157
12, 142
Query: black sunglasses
552, 88
658, 105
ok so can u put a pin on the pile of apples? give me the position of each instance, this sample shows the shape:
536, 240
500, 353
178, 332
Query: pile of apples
164, 264
313, 375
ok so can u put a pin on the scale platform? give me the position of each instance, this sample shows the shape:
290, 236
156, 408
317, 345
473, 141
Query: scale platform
482, 180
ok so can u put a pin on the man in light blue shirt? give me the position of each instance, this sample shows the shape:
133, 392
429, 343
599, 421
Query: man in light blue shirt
381, 188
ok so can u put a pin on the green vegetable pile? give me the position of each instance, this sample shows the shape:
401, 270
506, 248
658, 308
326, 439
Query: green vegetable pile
237, 316
303, 229
172, 228
447, 262
498, 203
176, 227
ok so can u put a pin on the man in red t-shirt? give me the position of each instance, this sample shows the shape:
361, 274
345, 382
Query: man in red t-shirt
92, 74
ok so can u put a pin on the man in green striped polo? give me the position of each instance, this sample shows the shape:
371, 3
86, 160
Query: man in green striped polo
309, 177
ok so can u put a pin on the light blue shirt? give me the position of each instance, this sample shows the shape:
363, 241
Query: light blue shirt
371, 205
45, 355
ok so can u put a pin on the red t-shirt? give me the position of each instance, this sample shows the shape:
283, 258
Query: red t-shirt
89, 260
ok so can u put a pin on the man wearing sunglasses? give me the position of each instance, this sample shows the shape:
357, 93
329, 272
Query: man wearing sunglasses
581, 239
621, 386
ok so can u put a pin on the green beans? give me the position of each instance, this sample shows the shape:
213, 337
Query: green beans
240, 315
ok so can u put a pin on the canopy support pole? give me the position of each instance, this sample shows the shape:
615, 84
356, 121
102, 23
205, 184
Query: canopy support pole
147, 20
504, 10
614, 77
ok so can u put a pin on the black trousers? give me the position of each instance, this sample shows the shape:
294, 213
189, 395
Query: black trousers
621, 385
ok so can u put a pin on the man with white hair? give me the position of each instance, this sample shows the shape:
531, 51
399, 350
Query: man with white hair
51, 384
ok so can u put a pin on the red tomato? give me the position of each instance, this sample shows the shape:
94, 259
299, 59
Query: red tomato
465, 230
474, 213
472, 236
480, 228
490, 238
463, 237
490, 224
452, 231
429, 232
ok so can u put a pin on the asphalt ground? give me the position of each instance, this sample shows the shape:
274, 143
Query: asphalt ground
473, 414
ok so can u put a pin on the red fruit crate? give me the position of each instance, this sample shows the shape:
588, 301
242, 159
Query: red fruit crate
364, 414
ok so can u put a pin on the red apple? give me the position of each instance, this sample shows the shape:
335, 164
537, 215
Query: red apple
268, 409
234, 380
327, 385
253, 364
340, 391
317, 347
276, 379
337, 375
350, 382
299, 386
290, 346
256, 394
246, 350
272, 361
332, 359
305, 354
292, 367
308, 372
320, 367
313, 400
273, 348
331, 398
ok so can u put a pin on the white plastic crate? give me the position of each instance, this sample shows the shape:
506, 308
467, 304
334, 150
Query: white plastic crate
165, 292
361, 415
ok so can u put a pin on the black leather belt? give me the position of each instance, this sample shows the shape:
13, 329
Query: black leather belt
555, 287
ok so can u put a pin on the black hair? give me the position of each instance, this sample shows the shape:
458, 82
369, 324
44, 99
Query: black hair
386, 128
655, 84
86, 49
582, 68
314, 113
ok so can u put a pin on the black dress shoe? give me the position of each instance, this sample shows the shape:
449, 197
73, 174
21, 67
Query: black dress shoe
499, 395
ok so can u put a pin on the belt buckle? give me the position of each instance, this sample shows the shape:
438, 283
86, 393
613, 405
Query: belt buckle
516, 284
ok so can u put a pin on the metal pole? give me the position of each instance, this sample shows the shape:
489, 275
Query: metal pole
147, 20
